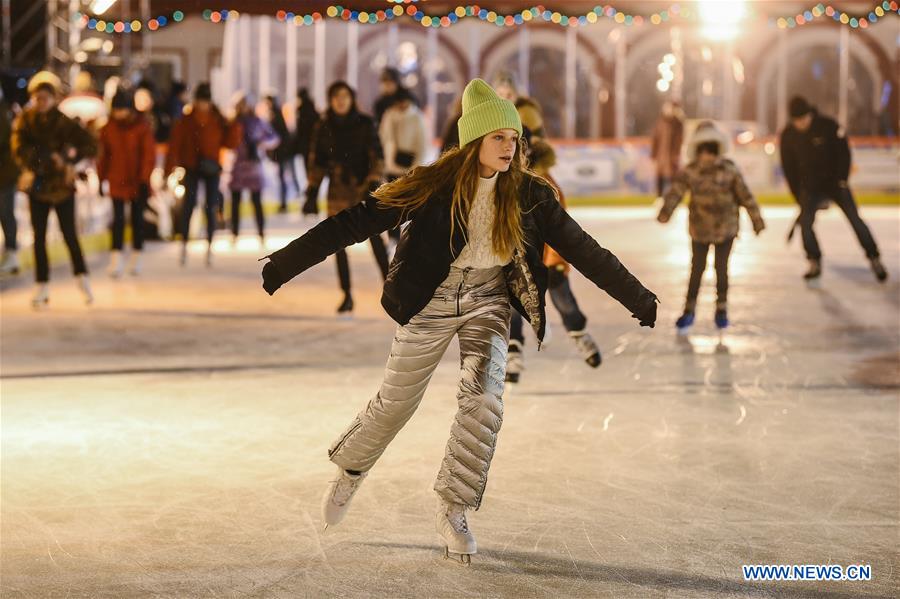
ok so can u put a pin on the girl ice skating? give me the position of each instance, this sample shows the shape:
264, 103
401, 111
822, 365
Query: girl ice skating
717, 191
472, 251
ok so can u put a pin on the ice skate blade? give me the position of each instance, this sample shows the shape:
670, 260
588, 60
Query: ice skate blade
464, 559
814, 283
683, 331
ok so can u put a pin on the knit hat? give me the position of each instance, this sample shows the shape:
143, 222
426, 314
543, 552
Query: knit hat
484, 111
798, 107
45, 78
123, 99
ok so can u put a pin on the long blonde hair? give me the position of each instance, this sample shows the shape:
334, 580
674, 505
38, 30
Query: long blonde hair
459, 168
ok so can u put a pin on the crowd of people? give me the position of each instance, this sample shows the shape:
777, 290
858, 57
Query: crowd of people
508, 240
187, 135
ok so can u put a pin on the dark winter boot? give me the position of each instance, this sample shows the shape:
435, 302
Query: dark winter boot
684, 322
346, 306
878, 269
814, 272
721, 318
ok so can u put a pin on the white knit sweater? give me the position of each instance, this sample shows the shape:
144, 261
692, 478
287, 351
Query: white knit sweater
479, 251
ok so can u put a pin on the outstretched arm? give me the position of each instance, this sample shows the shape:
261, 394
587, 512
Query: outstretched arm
353, 225
596, 263
673, 196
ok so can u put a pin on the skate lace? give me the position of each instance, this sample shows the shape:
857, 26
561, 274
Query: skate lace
457, 518
344, 489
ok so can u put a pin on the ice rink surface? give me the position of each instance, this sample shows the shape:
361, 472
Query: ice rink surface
170, 441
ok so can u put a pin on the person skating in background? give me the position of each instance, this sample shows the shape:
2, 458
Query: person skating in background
472, 251
403, 139
257, 137
282, 154
173, 110
390, 85
717, 192
346, 149
198, 139
126, 161
46, 144
9, 177
815, 157
665, 145
450, 138
306, 119
542, 158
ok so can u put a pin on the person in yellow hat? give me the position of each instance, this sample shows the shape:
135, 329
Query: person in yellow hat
46, 144
471, 253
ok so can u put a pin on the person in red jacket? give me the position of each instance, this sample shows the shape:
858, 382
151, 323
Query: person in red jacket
195, 145
127, 158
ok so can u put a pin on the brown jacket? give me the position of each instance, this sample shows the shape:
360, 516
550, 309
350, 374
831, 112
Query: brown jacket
717, 192
665, 149
200, 135
127, 156
35, 138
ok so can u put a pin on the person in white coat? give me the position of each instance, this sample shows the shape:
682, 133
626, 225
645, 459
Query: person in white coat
403, 138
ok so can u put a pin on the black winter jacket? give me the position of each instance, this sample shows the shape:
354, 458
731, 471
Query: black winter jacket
816, 160
424, 254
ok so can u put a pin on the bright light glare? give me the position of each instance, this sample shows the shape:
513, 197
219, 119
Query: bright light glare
721, 20
669, 59
98, 7
662, 85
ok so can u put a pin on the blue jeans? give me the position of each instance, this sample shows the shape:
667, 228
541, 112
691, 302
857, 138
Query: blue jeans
844, 199
563, 299
8, 216
192, 182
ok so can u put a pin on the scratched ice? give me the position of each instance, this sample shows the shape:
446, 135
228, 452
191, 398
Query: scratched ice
170, 441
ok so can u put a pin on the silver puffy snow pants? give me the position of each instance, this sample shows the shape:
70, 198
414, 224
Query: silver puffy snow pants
471, 303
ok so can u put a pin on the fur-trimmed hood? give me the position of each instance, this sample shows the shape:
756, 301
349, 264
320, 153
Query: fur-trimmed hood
706, 131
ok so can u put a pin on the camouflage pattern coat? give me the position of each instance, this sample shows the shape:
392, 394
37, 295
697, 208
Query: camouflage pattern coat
717, 192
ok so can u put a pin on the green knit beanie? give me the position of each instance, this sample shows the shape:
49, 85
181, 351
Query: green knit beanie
484, 111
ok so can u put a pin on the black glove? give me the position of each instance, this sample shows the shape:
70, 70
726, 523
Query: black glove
312, 201
271, 278
648, 318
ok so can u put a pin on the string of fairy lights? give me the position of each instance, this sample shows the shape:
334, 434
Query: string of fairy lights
409, 9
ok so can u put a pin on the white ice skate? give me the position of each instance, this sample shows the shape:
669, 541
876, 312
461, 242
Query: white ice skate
84, 284
182, 258
10, 263
209, 256
338, 495
41, 296
515, 362
136, 263
452, 526
587, 347
116, 265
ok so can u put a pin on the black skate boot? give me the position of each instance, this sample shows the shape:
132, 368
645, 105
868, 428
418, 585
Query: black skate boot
878, 269
814, 273
346, 307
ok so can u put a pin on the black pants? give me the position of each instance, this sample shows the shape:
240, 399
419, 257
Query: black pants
343, 265
137, 222
287, 166
844, 199
698, 265
8, 216
563, 299
65, 213
256, 198
211, 202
